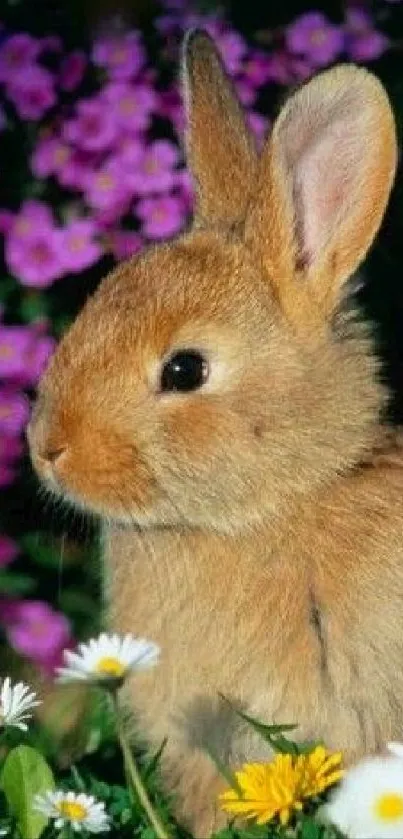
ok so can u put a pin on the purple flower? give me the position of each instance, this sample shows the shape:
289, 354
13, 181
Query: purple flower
32, 92
32, 214
232, 48
35, 257
170, 107
75, 172
363, 42
108, 190
6, 221
246, 92
93, 129
7, 475
37, 631
80, 249
50, 156
17, 53
14, 412
33, 245
24, 353
256, 69
130, 153
287, 69
122, 56
313, 36
161, 217
130, 105
11, 448
15, 342
156, 171
124, 243
72, 70
259, 125
8, 550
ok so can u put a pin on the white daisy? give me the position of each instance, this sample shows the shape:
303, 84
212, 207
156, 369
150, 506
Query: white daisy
16, 703
369, 800
108, 657
80, 811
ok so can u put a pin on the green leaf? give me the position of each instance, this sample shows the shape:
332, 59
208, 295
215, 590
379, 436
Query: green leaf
26, 774
273, 734
12, 583
310, 829
74, 602
154, 761
33, 305
41, 553
7, 287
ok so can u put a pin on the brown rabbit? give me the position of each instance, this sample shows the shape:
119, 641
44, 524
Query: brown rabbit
218, 404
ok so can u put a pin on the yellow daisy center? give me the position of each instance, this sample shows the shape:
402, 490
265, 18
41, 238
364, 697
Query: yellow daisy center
110, 666
389, 806
72, 810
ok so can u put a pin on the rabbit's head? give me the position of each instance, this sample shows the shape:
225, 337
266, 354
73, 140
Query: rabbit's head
212, 378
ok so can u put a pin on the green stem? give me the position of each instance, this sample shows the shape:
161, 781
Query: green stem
135, 777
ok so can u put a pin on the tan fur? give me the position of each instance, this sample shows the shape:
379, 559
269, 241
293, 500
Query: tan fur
253, 528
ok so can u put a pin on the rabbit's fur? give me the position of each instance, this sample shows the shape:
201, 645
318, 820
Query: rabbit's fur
253, 528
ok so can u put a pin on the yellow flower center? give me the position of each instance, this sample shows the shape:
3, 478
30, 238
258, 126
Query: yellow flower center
127, 106
119, 55
151, 167
22, 226
6, 351
105, 181
77, 243
72, 810
159, 214
109, 666
61, 154
389, 807
318, 37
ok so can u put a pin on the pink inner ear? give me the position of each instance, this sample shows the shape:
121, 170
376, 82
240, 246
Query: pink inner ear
325, 162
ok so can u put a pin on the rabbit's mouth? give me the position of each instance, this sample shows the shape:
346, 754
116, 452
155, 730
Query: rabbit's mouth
101, 476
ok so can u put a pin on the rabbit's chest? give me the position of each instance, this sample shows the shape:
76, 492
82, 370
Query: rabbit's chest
224, 624
282, 636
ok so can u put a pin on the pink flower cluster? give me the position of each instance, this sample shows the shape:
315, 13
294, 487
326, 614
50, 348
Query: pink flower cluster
314, 39
38, 250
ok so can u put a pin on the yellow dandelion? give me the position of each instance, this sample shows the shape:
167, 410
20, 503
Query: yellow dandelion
279, 788
318, 771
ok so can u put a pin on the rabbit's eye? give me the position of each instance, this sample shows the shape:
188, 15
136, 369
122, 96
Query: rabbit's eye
184, 371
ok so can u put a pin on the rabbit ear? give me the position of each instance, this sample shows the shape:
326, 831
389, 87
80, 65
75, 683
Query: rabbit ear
323, 184
220, 150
